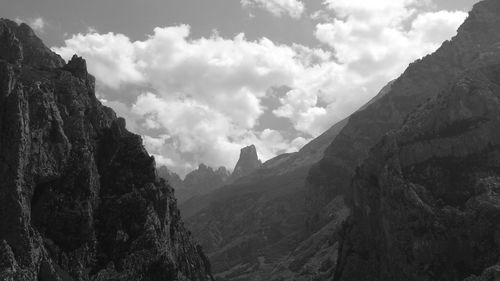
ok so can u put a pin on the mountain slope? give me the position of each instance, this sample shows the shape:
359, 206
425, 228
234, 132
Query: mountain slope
422, 80
79, 195
475, 46
426, 203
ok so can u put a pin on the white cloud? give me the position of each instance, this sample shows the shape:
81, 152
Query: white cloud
37, 24
112, 57
380, 38
201, 98
293, 8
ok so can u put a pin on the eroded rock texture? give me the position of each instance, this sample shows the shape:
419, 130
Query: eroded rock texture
426, 203
79, 195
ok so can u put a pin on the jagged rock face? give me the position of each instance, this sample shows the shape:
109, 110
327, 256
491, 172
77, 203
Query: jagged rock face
79, 196
201, 181
247, 163
476, 44
427, 201
205, 175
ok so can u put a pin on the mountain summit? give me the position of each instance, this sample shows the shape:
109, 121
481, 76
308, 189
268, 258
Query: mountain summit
247, 163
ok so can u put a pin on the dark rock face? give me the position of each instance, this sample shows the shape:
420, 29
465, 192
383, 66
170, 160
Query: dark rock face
79, 195
247, 163
426, 203
475, 45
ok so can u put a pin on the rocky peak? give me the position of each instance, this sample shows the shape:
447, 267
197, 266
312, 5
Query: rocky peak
20, 44
223, 172
206, 175
172, 178
198, 182
77, 66
247, 163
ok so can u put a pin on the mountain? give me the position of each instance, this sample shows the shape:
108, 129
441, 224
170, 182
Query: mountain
422, 80
287, 219
170, 177
198, 182
247, 163
205, 179
426, 202
202, 181
384, 194
79, 195
248, 227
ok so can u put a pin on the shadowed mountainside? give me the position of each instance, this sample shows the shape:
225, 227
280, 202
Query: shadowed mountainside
426, 203
79, 195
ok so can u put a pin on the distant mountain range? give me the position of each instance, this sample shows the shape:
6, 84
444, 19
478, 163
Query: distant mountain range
205, 179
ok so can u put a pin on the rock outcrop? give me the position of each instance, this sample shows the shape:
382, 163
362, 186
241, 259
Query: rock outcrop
79, 195
247, 163
426, 203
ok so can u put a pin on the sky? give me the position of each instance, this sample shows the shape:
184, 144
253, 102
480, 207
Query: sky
201, 79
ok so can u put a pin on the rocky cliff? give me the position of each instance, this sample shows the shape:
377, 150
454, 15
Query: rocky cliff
426, 203
79, 195
247, 163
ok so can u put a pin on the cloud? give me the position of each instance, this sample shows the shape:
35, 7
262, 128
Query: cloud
293, 8
37, 24
380, 38
201, 100
112, 57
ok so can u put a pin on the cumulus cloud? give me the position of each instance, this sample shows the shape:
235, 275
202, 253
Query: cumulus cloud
37, 24
293, 8
380, 38
201, 100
